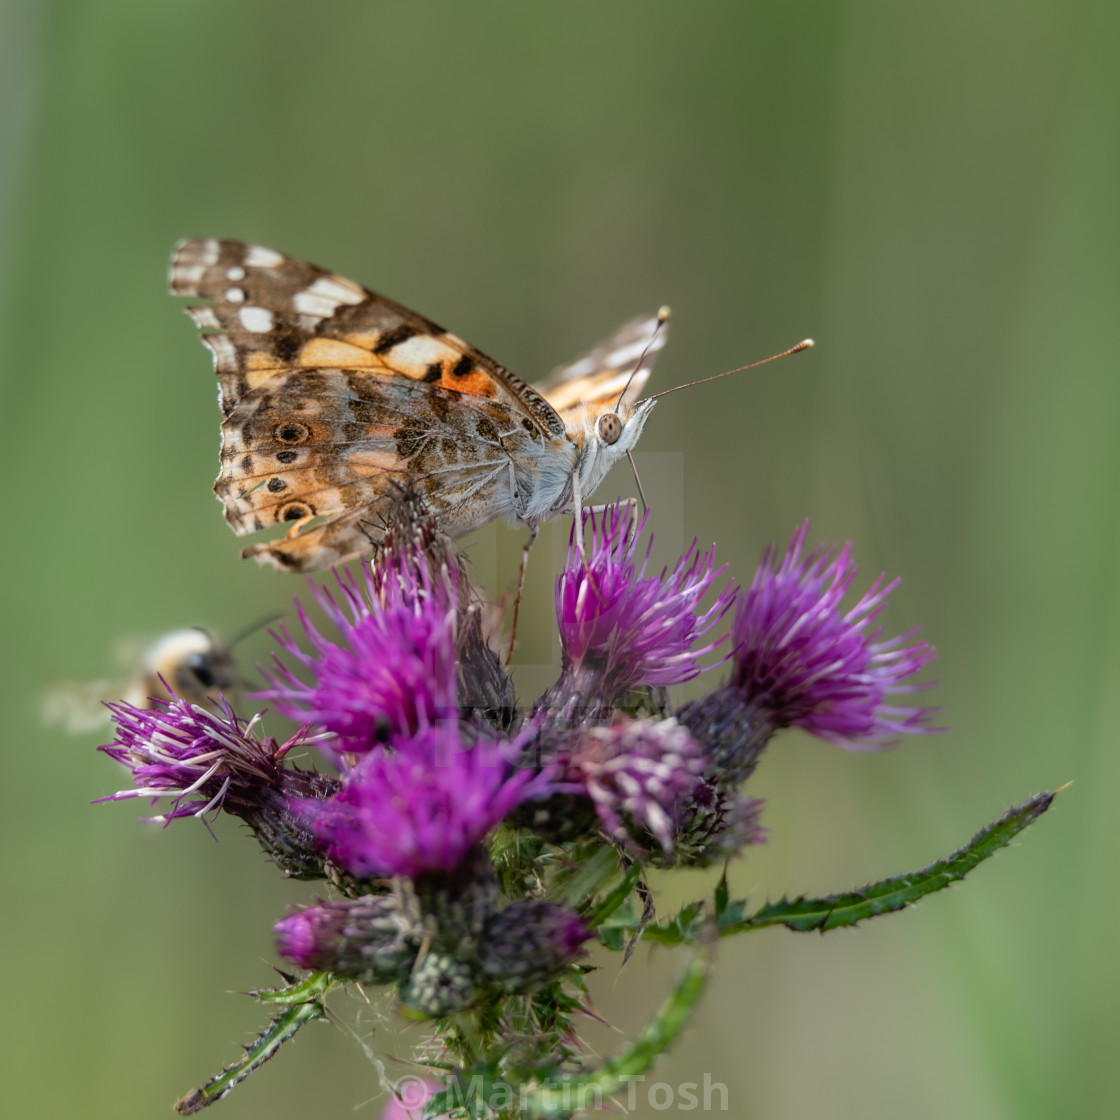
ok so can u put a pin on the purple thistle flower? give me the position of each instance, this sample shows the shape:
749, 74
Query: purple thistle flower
373, 939
637, 773
195, 757
620, 628
806, 664
393, 673
424, 806
205, 761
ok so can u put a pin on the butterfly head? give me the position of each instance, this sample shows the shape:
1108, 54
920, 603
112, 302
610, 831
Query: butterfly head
610, 432
610, 423
617, 428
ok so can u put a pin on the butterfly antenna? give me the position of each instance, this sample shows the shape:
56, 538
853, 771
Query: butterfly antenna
662, 319
804, 344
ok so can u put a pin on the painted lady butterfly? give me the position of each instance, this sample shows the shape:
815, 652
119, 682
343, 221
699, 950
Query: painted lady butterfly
331, 396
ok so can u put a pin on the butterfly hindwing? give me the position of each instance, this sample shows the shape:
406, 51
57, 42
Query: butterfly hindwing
599, 376
329, 441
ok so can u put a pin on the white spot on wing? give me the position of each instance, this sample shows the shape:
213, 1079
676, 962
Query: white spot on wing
208, 255
580, 369
326, 295
205, 317
188, 275
257, 256
318, 307
235, 295
626, 354
255, 319
614, 385
415, 354
235, 273
338, 289
225, 356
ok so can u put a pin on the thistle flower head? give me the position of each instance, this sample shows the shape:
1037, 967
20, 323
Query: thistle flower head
439, 985
529, 943
809, 664
716, 824
373, 939
392, 673
424, 806
629, 628
638, 774
196, 758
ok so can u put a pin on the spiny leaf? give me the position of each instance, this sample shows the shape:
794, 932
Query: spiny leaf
889, 895
562, 1097
312, 986
282, 1028
721, 895
833, 911
679, 930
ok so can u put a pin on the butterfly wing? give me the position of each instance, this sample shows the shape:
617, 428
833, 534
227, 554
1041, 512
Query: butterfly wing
332, 394
599, 376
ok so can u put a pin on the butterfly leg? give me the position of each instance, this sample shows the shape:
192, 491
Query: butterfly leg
600, 510
632, 503
533, 530
637, 479
577, 503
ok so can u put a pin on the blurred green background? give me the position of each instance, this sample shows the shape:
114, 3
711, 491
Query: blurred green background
929, 191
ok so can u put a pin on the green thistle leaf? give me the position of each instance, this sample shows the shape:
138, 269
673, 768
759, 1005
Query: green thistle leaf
889, 895
565, 1096
282, 1028
311, 987
616, 897
834, 911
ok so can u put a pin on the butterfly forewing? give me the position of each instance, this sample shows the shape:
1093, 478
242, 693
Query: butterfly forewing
332, 395
269, 313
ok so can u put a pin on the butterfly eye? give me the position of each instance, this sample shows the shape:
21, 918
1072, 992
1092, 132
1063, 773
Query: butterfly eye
610, 427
